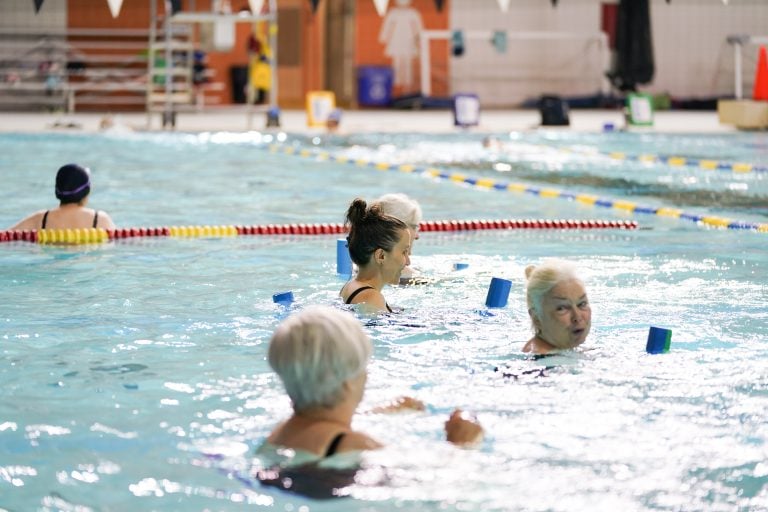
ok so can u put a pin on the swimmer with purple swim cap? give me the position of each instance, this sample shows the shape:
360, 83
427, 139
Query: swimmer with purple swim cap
73, 186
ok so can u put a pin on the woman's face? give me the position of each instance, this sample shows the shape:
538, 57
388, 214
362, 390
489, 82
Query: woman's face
566, 315
397, 259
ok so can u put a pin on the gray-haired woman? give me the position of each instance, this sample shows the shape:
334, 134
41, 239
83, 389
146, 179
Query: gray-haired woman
406, 209
321, 354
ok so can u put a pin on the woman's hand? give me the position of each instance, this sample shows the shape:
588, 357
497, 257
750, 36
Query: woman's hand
463, 429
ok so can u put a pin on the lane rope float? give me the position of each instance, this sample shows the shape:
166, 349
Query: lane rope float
707, 164
625, 206
676, 161
97, 235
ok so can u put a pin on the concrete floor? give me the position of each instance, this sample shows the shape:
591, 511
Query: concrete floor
355, 121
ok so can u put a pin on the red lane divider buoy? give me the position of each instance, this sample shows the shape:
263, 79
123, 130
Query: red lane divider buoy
30, 235
483, 224
26, 235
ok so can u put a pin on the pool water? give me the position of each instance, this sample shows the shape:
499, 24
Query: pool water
133, 374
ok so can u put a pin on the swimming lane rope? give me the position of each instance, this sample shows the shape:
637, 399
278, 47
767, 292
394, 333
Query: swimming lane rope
670, 160
588, 199
92, 236
683, 161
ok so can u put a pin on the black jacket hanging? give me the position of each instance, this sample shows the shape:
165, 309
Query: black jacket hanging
634, 46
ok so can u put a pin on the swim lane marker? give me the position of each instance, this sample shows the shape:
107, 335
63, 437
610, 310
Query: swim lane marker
672, 161
647, 158
489, 183
97, 235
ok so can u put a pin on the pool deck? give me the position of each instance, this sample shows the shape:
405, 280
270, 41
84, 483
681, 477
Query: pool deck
236, 119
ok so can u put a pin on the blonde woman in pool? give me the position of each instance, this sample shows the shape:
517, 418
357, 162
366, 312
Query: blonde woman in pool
558, 306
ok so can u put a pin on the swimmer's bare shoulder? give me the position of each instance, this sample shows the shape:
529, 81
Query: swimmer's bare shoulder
32, 221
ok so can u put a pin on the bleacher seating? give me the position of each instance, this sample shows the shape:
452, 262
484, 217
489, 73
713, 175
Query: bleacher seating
92, 69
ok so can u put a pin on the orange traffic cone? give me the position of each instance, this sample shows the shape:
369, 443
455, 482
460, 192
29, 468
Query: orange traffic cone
760, 91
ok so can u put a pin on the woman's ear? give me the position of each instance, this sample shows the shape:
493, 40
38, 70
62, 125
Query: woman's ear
378, 254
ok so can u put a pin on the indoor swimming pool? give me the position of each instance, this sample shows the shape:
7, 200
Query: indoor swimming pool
133, 373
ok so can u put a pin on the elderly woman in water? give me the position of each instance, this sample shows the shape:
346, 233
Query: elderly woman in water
320, 355
558, 306
408, 210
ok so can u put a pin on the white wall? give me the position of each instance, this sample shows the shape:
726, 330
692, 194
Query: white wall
693, 58
690, 49
528, 68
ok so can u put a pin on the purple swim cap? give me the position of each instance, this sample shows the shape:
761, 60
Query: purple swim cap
73, 183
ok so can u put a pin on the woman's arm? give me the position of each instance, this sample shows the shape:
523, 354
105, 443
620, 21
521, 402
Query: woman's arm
402, 403
461, 429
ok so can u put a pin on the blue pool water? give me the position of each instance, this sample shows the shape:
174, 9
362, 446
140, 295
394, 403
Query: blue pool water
133, 374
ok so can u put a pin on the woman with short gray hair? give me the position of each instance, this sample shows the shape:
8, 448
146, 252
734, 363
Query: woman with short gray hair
315, 352
321, 354
402, 207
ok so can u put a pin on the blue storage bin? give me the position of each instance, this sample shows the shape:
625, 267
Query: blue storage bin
374, 86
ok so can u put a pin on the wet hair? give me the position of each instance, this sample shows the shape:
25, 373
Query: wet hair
542, 278
73, 183
315, 351
400, 206
370, 229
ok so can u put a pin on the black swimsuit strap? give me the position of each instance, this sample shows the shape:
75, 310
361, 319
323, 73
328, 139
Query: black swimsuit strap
362, 288
354, 293
96, 218
334, 444
45, 219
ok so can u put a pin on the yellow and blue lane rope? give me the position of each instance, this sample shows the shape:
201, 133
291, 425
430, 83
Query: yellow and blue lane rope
489, 183
670, 160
